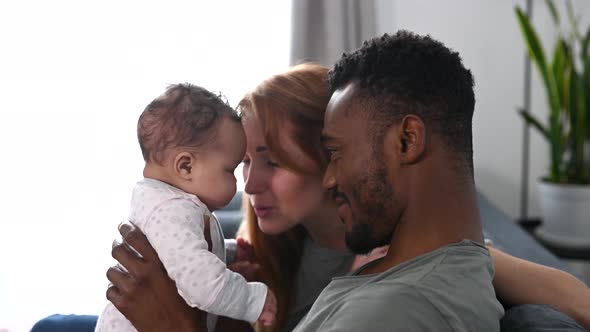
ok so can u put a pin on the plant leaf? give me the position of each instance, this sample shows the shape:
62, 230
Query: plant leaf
561, 59
576, 126
553, 11
533, 121
573, 20
585, 86
585, 44
554, 131
538, 56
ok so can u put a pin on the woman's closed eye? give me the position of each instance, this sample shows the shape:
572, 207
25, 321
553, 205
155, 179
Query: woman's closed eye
269, 162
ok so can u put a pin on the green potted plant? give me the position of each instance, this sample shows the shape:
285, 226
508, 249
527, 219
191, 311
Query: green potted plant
565, 190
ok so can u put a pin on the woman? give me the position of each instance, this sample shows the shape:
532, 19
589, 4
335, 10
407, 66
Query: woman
287, 210
295, 234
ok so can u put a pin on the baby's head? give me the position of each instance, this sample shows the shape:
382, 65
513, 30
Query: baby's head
193, 140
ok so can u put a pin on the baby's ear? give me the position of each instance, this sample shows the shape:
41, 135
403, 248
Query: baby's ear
183, 164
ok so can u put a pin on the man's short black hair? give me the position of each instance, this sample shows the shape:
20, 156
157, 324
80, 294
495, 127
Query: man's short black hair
406, 73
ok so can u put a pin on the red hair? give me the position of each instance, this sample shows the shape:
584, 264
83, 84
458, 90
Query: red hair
297, 99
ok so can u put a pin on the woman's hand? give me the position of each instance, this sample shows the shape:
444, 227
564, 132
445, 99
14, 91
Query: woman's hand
518, 281
145, 295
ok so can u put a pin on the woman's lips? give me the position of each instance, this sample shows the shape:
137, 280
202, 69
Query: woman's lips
263, 211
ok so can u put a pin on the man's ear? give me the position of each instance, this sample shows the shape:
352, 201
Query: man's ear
411, 136
183, 165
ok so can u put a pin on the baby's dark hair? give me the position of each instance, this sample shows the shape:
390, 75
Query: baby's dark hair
184, 116
406, 73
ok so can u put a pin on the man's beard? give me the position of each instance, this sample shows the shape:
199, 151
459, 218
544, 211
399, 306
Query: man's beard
375, 200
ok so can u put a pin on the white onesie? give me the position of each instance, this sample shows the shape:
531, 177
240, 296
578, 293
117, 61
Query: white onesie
173, 222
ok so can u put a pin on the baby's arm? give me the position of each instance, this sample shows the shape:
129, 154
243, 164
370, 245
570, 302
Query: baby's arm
175, 230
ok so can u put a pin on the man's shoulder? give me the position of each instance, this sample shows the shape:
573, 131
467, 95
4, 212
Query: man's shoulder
391, 291
396, 306
448, 290
388, 295
459, 287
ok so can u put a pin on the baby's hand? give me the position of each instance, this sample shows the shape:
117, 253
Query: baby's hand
269, 311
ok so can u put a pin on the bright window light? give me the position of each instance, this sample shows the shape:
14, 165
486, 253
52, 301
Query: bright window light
74, 77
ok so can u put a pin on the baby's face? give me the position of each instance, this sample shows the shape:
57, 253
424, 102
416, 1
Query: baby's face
215, 183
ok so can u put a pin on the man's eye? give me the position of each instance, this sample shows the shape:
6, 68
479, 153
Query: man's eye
272, 164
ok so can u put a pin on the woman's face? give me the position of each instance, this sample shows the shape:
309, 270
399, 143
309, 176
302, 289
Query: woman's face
281, 198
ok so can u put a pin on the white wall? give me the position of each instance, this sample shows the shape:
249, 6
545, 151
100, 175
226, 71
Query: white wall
487, 36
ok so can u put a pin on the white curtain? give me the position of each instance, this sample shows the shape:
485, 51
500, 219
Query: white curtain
323, 29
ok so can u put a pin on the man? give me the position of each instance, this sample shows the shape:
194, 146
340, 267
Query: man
398, 133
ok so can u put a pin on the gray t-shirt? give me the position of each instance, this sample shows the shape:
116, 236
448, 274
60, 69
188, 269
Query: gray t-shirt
317, 268
449, 289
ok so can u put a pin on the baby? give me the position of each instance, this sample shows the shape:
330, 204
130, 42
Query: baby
191, 142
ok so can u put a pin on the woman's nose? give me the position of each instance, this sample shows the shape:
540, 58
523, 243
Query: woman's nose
254, 181
329, 181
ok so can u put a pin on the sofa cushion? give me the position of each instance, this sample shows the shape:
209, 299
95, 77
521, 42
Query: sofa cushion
536, 318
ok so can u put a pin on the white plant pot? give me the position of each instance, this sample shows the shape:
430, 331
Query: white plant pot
566, 214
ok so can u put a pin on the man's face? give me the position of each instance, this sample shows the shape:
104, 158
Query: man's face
357, 174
